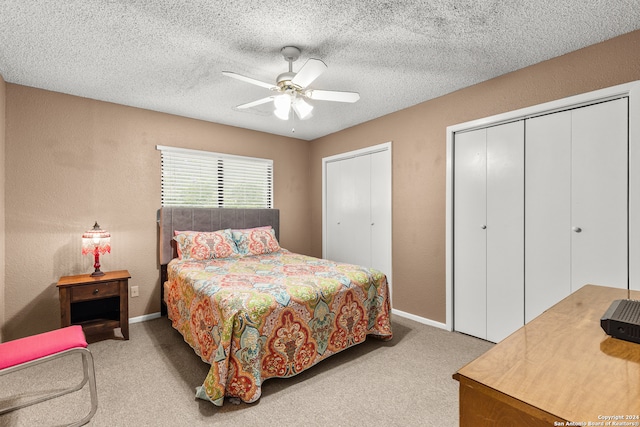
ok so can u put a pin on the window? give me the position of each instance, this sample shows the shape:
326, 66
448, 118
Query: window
212, 180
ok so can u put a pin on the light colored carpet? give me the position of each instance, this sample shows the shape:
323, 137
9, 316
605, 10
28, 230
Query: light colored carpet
150, 380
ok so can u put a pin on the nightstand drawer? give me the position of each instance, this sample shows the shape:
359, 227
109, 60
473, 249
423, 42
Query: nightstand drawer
95, 291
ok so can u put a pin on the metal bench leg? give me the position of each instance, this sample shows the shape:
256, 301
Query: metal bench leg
88, 375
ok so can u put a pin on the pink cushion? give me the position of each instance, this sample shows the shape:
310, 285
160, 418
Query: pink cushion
36, 346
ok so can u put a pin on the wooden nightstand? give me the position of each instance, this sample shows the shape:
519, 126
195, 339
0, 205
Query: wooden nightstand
98, 304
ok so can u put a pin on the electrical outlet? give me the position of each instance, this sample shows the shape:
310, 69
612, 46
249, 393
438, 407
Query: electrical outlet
134, 292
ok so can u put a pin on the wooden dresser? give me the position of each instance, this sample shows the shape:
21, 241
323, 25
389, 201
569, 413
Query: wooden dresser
559, 369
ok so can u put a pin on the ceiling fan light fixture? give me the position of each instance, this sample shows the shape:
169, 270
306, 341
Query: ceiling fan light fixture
302, 108
283, 105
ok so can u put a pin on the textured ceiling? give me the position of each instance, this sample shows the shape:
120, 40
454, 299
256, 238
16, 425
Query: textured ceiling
168, 55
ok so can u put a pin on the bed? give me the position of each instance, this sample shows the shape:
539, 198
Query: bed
255, 311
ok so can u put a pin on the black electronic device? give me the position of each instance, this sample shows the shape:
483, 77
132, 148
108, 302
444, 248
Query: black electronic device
622, 320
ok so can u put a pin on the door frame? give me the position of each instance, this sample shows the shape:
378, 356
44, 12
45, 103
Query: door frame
386, 146
630, 90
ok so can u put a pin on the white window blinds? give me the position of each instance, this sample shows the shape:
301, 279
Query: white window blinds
206, 179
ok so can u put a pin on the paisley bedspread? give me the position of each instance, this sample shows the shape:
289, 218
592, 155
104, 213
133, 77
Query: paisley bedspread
257, 317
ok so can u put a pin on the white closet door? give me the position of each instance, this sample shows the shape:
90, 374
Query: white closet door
548, 212
505, 230
337, 241
489, 231
470, 242
576, 203
599, 176
348, 210
381, 212
358, 210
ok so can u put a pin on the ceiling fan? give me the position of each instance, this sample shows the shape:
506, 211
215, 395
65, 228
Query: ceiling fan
292, 90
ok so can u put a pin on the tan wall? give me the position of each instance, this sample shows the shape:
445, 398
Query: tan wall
71, 161
3, 96
419, 157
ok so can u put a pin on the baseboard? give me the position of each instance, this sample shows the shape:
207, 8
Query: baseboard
144, 317
419, 319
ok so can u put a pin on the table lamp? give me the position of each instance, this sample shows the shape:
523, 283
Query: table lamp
96, 241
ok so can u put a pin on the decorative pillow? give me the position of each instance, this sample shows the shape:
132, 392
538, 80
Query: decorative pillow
256, 241
203, 245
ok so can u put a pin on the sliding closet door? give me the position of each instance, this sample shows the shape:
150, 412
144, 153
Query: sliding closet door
576, 203
358, 208
349, 210
599, 177
359, 211
470, 235
548, 212
489, 231
505, 230
337, 242
381, 211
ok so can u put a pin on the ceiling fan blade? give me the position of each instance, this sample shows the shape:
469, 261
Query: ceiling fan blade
254, 103
332, 95
310, 71
249, 80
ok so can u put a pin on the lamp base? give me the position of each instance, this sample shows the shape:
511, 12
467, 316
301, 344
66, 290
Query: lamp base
96, 264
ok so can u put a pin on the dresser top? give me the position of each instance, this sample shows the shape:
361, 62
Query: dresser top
87, 278
562, 362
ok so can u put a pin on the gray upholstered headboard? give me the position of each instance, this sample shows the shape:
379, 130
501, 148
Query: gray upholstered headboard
209, 219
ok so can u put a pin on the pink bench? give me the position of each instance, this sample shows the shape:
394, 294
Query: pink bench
24, 352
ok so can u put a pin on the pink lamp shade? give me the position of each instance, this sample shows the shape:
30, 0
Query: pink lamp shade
97, 242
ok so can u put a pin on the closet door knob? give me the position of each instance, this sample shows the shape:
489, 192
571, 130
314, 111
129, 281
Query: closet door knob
577, 229
483, 226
